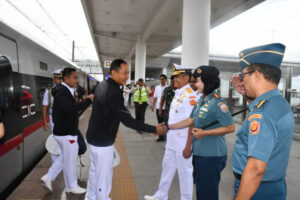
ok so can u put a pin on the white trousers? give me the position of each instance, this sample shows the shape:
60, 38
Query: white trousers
56, 166
51, 123
69, 151
173, 161
101, 172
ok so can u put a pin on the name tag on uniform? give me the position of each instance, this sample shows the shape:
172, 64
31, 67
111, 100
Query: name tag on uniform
204, 109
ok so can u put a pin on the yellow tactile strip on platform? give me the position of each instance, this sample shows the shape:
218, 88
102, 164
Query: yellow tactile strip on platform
123, 187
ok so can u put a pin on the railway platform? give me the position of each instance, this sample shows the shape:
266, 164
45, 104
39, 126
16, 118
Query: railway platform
139, 170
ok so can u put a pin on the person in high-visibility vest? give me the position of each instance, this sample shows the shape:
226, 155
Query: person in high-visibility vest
141, 92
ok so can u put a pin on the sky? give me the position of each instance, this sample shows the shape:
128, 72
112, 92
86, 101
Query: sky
52, 23
56, 23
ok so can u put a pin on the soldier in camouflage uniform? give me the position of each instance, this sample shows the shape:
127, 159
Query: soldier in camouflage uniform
167, 98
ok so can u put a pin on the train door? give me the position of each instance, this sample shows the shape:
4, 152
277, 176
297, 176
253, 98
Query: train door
11, 146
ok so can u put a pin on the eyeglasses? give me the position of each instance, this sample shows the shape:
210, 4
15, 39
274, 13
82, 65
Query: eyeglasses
242, 75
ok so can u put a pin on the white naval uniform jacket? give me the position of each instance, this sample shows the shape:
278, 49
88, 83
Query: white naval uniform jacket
181, 107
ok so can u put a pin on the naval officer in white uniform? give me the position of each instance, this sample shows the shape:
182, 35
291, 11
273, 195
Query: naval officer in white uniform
181, 108
51, 143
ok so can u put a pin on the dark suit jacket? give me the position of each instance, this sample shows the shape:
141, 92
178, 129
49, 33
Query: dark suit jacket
65, 111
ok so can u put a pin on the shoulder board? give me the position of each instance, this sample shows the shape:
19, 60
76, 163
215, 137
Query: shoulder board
216, 96
221, 102
192, 97
261, 103
189, 90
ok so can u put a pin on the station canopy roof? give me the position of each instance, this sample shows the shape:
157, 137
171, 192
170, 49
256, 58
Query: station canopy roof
115, 25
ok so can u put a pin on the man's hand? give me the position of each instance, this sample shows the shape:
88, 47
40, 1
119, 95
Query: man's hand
160, 129
187, 152
198, 133
160, 114
46, 126
152, 108
91, 97
238, 84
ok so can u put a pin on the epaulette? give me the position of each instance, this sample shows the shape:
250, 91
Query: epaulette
216, 96
261, 103
189, 90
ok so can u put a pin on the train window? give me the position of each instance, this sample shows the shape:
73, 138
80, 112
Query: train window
9, 103
43, 66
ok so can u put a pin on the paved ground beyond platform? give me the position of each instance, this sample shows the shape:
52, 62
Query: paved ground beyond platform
140, 169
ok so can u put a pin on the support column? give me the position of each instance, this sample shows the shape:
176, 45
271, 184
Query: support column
129, 67
164, 71
195, 32
288, 83
140, 60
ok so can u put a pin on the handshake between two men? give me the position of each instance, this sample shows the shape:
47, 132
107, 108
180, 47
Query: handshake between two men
161, 129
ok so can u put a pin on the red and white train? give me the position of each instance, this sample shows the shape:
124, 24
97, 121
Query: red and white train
25, 72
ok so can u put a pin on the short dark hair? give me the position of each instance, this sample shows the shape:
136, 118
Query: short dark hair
141, 80
67, 72
116, 65
163, 75
211, 82
272, 74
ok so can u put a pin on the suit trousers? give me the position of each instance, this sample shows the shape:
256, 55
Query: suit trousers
101, 172
161, 120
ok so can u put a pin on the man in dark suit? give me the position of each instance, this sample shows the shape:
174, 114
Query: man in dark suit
66, 119
108, 111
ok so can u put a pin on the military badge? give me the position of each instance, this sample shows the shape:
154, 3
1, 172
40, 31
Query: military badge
254, 127
216, 96
223, 107
189, 90
258, 116
193, 102
199, 71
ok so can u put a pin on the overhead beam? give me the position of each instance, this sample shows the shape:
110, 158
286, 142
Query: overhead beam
164, 10
113, 55
224, 16
113, 37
